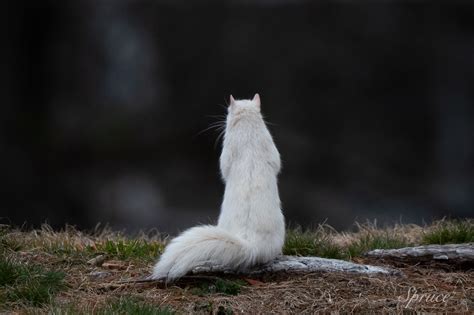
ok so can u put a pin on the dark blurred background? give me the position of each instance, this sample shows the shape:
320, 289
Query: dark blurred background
103, 102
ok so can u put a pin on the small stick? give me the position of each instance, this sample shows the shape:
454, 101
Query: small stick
148, 280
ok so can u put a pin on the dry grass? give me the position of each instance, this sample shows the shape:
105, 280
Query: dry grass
96, 287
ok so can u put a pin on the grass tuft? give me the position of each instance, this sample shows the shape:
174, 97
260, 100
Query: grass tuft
7, 242
316, 242
133, 306
130, 249
126, 305
26, 284
9, 272
450, 232
321, 242
223, 286
371, 241
70, 244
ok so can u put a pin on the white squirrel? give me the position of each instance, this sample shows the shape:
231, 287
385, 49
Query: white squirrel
251, 226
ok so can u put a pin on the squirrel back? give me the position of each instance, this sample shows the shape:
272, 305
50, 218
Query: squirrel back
250, 163
251, 226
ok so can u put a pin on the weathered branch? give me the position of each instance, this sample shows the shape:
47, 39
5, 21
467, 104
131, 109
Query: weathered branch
295, 264
457, 255
281, 264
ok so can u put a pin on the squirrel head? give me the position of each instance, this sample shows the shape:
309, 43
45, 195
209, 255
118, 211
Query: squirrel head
238, 106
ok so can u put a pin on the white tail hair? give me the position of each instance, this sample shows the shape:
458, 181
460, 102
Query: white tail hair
201, 245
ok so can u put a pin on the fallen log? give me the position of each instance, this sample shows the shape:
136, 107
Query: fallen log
296, 264
281, 264
454, 255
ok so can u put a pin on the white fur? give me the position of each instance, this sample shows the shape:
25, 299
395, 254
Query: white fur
251, 226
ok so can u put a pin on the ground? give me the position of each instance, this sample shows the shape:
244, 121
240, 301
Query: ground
70, 272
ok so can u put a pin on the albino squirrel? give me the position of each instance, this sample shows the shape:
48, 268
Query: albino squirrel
251, 227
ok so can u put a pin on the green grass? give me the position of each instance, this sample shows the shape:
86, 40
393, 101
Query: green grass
129, 249
132, 306
223, 286
71, 244
9, 272
126, 305
450, 232
373, 241
317, 242
26, 284
63, 250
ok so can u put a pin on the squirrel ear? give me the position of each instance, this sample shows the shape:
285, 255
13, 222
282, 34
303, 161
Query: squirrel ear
256, 99
231, 99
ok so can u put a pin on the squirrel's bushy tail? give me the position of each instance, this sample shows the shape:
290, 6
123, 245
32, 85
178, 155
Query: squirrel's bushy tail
200, 245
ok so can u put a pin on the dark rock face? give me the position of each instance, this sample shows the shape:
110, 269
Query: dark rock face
372, 106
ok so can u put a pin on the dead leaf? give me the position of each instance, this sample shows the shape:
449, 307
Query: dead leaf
114, 264
254, 282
